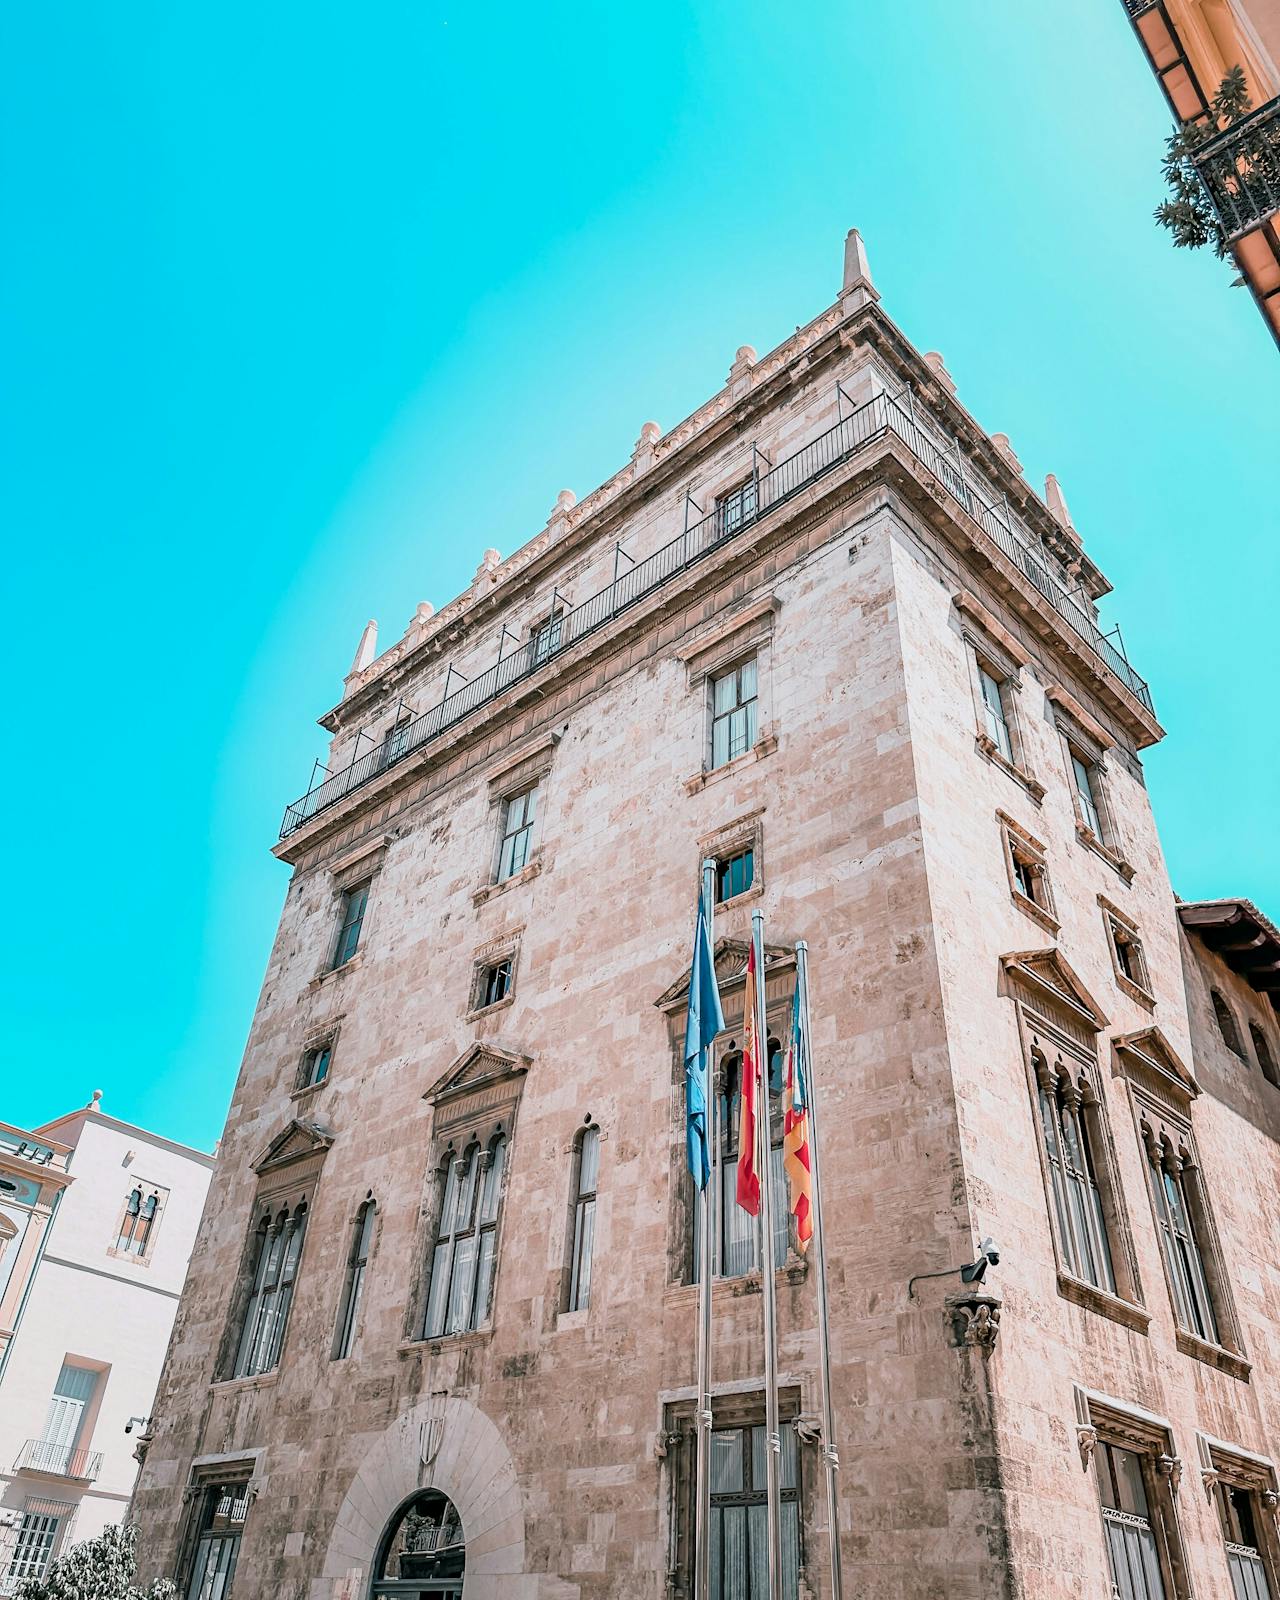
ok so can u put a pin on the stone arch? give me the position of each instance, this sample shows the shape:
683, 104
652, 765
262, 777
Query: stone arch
472, 1466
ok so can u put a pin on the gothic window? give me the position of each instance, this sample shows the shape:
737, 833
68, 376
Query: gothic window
1069, 1116
462, 1262
736, 1230
353, 1285
518, 816
350, 920
221, 1506
734, 712
277, 1250
1133, 1550
1262, 1050
1179, 1213
1226, 1021
423, 1551
584, 1219
139, 1220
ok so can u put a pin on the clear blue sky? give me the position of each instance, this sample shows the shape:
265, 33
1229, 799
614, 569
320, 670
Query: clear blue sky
304, 306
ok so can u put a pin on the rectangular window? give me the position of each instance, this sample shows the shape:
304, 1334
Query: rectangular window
518, 817
220, 1514
735, 874
735, 509
1132, 1548
584, 1220
1246, 1560
1127, 955
353, 1288
739, 1515
60, 1447
316, 1064
276, 1254
1028, 873
1084, 773
1177, 1214
734, 715
495, 982
395, 743
546, 638
354, 902
40, 1533
995, 711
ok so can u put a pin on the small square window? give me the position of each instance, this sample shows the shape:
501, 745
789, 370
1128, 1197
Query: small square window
354, 902
735, 874
495, 982
518, 817
316, 1064
735, 509
734, 712
1028, 874
1127, 955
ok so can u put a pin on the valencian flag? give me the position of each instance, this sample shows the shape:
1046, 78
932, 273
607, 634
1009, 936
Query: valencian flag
748, 1176
705, 1021
795, 1133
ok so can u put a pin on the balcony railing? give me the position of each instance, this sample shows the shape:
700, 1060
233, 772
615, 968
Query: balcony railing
1241, 169
1135, 8
879, 417
59, 1460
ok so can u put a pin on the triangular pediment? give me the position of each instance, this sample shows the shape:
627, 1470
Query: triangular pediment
1148, 1054
1048, 974
480, 1066
731, 966
293, 1143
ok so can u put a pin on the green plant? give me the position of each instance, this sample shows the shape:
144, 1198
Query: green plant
98, 1569
1190, 215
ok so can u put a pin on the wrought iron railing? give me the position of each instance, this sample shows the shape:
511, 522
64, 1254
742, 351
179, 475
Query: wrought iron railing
878, 417
1241, 169
1135, 8
63, 1460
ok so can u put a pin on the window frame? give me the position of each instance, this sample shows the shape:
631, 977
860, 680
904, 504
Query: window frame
583, 1214
737, 506
747, 707
477, 1226
1262, 1052
525, 829
1021, 848
206, 1481
350, 929
285, 1217
1226, 1467
153, 1194
319, 1050
359, 1254
53, 1539
725, 862
1228, 1024
1122, 933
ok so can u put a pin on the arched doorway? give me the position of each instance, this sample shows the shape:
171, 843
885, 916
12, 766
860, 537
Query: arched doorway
422, 1554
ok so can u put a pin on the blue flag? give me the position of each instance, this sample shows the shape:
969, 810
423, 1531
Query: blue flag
705, 1021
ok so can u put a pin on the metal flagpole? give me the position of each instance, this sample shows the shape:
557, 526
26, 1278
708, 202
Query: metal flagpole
702, 1512
830, 1455
773, 1440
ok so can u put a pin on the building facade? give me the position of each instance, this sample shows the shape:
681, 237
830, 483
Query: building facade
97, 1221
439, 1333
1191, 46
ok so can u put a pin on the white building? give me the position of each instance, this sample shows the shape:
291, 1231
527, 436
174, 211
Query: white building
97, 1223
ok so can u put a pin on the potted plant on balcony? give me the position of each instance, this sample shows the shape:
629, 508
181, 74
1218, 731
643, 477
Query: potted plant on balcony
1191, 215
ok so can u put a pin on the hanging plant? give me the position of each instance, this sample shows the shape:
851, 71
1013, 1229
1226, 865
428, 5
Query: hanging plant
1190, 215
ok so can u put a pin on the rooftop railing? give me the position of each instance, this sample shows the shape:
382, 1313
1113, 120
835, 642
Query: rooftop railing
875, 419
1241, 169
60, 1460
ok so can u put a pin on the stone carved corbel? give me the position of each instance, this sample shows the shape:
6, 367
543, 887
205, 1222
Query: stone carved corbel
808, 1429
1170, 1467
1270, 1499
663, 1444
1210, 1477
975, 1318
1086, 1442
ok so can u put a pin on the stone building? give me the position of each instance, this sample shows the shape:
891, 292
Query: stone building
97, 1221
439, 1334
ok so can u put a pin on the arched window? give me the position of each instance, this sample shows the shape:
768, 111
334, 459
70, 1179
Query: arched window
422, 1553
353, 1288
1262, 1050
466, 1239
139, 1219
584, 1219
1068, 1117
276, 1253
738, 1253
1226, 1024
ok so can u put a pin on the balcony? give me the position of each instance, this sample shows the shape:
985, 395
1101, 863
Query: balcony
877, 419
1241, 170
59, 1460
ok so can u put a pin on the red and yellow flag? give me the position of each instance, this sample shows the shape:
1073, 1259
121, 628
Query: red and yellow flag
748, 1176
795, 1135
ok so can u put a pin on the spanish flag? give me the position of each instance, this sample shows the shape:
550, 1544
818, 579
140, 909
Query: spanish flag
748, 1175
795, 1134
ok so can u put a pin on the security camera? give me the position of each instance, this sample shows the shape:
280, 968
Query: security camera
141, 1421
988, 1256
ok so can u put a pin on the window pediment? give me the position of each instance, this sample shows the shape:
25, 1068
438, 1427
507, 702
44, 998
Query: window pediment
731, 967
1047, 980
1149, 1060
292, 1144
484, 1083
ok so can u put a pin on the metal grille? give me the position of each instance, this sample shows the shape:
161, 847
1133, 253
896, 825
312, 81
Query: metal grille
1241, 169
62, 1460
875, 419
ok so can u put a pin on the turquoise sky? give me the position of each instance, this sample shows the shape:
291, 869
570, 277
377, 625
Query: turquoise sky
303, 306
